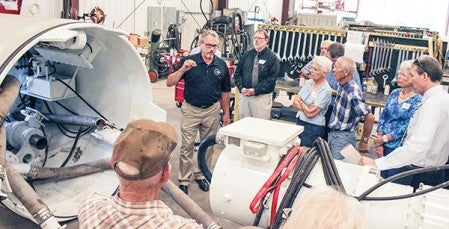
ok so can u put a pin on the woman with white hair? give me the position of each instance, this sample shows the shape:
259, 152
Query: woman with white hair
396, 115
312, 102
325, 207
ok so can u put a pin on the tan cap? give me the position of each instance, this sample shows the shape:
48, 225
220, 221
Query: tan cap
145, 145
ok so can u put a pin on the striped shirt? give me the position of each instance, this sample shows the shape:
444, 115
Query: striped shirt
99, 211
349, 108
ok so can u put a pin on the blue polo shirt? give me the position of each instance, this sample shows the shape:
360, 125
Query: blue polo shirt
205, 83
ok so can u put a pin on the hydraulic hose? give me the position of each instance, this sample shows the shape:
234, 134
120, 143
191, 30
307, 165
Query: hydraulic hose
36, 172
202, 150
190, 206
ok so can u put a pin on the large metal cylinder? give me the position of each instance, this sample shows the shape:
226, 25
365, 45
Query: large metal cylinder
18, 133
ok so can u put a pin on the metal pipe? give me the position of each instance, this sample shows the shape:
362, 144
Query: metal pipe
190, 206
24, 193
77, 120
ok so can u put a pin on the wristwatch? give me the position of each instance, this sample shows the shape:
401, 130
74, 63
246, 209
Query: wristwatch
385, 138
365, 139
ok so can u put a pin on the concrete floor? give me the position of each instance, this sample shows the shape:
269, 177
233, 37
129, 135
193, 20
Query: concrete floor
164, 98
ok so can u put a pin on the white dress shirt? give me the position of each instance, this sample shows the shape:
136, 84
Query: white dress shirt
427, 140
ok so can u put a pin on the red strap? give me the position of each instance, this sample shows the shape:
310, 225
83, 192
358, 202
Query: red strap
269, 184
274, 201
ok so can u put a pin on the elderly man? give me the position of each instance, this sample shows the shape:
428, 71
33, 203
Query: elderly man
207, 89
306, 71
427, 139
349, 109
140, 158
255, 77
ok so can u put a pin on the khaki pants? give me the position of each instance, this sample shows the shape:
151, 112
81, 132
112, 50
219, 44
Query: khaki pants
194, 120
256, 106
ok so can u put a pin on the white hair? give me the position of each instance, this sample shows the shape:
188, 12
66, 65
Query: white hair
406, 65
326, 208
323, 62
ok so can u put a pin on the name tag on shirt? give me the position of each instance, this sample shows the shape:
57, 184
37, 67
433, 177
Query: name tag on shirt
405, 106
262, 61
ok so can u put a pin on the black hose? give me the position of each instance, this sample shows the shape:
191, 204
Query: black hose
202, 150
79, 96
303, 169
329, 169
72, 150
364, 195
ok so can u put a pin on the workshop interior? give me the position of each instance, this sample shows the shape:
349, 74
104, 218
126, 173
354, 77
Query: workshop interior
73, 73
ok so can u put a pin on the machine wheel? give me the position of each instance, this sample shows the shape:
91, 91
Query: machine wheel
153, 75
178, 104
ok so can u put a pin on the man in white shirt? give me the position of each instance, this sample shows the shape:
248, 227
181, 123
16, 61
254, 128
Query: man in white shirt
427, 140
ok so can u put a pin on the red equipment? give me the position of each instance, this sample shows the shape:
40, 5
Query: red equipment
179, 93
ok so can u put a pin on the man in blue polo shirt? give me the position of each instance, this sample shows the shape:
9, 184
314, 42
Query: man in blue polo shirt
207, 89
349, 109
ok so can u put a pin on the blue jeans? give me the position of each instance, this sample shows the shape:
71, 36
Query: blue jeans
310, 133
338, 140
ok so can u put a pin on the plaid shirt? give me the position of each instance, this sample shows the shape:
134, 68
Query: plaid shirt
99, 211
350, 107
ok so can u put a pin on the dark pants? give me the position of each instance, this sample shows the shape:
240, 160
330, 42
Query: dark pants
429, 178
327, 116
391, 172
310, 133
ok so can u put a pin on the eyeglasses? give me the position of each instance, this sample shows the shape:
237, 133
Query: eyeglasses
259, 38
211, 45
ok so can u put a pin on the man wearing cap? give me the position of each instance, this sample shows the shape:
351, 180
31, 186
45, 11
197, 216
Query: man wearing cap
207, 89
140, 158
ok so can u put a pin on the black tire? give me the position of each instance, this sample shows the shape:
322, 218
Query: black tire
178, 104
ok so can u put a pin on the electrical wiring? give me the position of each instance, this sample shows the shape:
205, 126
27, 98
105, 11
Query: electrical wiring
46, 148
364, 196
80, 97
330, 170
72, 150
201, 8
303, 169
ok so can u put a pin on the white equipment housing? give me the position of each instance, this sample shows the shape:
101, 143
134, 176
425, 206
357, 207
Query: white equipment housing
253, 148
100, 65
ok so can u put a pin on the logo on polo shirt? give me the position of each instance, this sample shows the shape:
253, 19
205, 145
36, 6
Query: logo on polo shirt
217, 72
